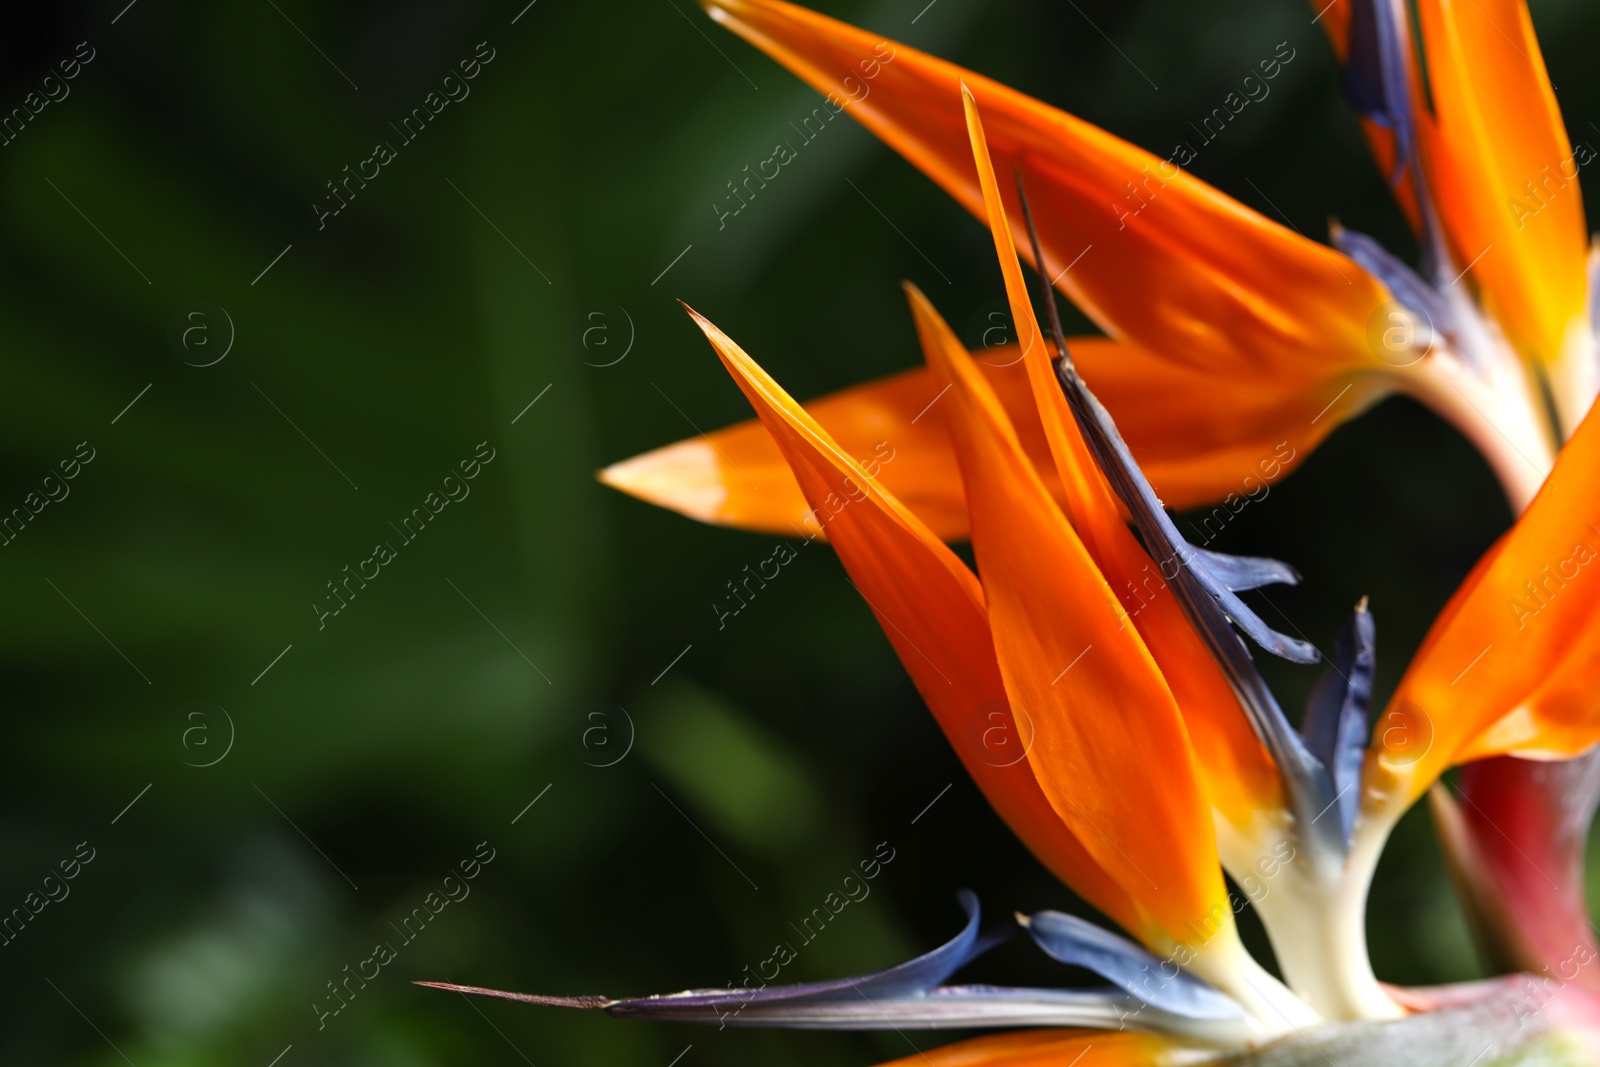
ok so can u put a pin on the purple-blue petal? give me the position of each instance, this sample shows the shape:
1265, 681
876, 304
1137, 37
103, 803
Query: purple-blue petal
1335, 726
1159, 983
1240, 573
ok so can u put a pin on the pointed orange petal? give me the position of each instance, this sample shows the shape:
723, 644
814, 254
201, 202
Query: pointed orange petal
1335, 18
1503, 172
1054, 1048
894, 427
1240, 778
1109, 745
1089, 504
1512, 645
1168, 262
1194, 454
932, 610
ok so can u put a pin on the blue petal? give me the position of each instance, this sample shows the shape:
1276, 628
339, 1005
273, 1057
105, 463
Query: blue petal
1377, 83
1213, 611
1377, 77
1200, 589
1210, 606
946, 1007
924, 972
1240, 573
912, 996
973, 1006
1405, 284
1128, 966
913, 977
1335, 726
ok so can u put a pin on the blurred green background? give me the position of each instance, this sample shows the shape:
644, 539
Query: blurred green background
288, 813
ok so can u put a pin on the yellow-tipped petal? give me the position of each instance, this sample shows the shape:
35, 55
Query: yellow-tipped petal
1194, 454
894, 427
932, 610
692, 478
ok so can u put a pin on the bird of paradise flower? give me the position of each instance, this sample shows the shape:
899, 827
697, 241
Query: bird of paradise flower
1160, 759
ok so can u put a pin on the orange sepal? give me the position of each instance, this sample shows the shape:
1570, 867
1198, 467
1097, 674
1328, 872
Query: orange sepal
1504, 665
1168, 262
1108, 742
1202, 444
1240, 777
1559, 719
1495, 129
932, 610
1335, 18
1237, 442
